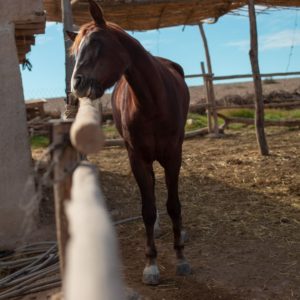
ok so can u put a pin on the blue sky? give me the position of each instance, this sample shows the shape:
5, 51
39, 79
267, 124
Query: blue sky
228, 42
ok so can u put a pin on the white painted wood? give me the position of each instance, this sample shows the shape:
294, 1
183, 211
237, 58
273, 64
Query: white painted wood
93, 267
86, 134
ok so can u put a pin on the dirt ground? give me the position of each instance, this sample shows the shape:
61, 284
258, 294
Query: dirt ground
241, 212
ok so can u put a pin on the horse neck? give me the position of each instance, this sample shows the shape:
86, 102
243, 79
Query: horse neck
142, 73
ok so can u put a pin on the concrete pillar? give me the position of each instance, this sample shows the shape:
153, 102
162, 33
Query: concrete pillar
17, 204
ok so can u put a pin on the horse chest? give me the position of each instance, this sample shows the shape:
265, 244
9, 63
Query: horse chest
150, 138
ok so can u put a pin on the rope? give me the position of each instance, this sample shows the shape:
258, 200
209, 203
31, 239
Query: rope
293, 42
70, 111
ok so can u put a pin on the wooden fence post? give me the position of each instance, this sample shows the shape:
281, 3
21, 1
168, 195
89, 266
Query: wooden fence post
259, 105
209, 121
67, 20
210, 80
86, 134
93, 268
65, 158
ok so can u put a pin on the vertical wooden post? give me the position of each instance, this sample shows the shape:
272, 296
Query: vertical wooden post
65, 159
209, 121
210, 80
67, 20
259, 105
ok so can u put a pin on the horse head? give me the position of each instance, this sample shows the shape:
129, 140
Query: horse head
100, 57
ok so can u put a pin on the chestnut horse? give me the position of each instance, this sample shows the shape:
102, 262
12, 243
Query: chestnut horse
150, 104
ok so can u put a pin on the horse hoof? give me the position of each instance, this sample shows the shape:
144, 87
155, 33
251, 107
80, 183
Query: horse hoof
184, 236
151, 275
183, 268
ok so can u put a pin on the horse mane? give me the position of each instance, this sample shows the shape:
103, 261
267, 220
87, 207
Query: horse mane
86, 28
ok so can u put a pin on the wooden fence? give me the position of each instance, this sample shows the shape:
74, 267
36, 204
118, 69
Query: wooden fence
87, 242
212, 107
89, 130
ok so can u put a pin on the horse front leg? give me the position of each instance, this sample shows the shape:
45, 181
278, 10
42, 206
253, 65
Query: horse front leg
172, 169
144, 175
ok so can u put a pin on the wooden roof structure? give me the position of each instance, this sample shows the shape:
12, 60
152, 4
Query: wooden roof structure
155, 14
25, 33
135, 15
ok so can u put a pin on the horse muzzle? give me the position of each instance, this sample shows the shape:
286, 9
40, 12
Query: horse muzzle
83, 87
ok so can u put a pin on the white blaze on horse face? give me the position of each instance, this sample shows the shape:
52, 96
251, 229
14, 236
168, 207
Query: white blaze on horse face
76, 63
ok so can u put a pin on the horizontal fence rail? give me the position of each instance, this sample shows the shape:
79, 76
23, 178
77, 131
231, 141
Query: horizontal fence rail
238, 76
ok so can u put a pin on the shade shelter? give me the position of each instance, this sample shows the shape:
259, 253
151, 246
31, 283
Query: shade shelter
134, 15
155, 14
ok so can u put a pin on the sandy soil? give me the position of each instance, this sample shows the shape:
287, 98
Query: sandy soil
241, 212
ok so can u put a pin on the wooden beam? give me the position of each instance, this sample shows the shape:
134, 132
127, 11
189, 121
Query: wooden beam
30, 31
28, 38
251, 75
199, 108
66, 159
248, 121
30, 26
259, 104
93, 267
67, 20
86, 134
210, 80
209, 121
21, 43
239, 76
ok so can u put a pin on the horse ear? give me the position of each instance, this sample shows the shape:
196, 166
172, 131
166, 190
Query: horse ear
72, 35
97, 13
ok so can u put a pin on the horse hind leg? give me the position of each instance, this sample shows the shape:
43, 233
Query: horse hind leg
151, 275
144, 176
174, 210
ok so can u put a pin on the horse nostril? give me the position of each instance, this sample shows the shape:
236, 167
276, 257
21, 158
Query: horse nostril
78, 81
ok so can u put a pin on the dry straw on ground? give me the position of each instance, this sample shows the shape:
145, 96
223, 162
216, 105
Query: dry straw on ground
241, 211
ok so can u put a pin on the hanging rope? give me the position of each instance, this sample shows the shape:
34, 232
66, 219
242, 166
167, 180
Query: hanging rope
293, 42
26, 64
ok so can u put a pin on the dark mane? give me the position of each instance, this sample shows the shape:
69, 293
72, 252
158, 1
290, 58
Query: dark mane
86, 28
